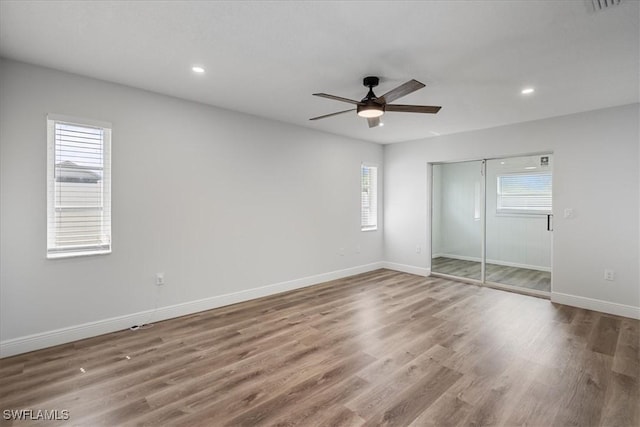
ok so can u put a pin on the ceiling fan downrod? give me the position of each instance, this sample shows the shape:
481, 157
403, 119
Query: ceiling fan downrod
370, 82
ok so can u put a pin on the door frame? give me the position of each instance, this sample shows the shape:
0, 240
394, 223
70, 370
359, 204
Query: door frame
483, 226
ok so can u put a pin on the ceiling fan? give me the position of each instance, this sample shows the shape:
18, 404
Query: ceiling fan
372, 107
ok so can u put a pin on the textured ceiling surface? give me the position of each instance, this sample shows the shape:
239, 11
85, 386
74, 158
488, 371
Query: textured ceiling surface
267, 58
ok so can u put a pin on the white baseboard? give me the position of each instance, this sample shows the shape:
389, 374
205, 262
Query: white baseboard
494, 261
419, 271
596, 305
38, 341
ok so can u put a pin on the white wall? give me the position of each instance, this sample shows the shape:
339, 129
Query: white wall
595, 173
219, 201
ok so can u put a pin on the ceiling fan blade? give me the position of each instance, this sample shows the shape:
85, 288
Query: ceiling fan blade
337, 98
400, 91
412, 108
373, 121
332, 114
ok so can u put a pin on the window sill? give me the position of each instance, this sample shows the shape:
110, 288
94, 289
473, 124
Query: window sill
60, 255
523, 214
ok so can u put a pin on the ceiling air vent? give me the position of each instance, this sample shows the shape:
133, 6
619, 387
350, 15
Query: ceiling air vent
603, 4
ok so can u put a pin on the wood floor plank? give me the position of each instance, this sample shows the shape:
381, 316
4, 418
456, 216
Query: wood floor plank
340, 417
626, 359
241, 388
536, 407
583, 404
583, 323
389, 386
263, 413
605, 336
622, 402
309, 411
448, 410
403, 409
379, 348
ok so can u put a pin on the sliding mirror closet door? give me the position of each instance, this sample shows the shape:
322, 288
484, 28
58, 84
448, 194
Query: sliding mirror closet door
456, 214
519, 222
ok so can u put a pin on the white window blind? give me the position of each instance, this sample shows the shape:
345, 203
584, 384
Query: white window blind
79, 189
369, 197
524, 193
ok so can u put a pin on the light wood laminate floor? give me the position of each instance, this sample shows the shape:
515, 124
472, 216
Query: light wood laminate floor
514, 276
381, 348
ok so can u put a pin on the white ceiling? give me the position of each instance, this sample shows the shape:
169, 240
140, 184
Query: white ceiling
267, 58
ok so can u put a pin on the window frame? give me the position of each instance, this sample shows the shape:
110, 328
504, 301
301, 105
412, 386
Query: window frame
53, 250
374, 226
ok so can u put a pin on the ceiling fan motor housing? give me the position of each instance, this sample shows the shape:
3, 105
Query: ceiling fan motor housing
371, 81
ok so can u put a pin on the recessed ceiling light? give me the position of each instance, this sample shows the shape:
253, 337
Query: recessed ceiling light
527, 91
380, 124
502, 163
197, 69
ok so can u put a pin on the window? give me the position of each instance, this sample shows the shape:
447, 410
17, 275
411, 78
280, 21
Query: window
524, 193
78, 187
369, 198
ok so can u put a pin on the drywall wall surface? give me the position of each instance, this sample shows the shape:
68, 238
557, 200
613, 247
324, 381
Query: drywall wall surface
595, 174
220, 202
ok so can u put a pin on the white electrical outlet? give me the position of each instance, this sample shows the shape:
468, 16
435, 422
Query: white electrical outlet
358, 249
609, 275
159, 279
418, 249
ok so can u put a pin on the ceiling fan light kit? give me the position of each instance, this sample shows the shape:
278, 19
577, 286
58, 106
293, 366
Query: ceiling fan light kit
369, 110
372, 107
